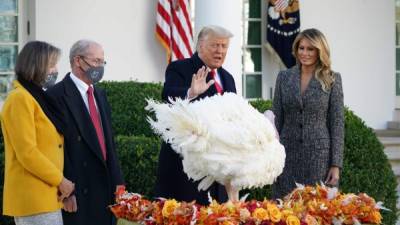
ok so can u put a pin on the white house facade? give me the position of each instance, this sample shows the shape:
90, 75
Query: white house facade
361, 33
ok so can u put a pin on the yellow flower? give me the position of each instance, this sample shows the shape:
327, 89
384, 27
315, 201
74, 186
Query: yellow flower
260, 214
286, 213
169, 207
292, 220
227, 222
274, 213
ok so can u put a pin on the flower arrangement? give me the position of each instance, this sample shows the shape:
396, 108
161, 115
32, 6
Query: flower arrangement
306, 205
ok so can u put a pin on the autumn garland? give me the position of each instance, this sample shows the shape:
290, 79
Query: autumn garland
306, 205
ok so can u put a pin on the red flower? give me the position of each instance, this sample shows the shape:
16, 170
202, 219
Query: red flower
250, 222
120, 190
265, 222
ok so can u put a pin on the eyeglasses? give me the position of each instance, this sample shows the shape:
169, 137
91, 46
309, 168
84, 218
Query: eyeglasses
96, 61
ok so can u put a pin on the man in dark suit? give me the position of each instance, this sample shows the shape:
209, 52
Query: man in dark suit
195, 78
90, 157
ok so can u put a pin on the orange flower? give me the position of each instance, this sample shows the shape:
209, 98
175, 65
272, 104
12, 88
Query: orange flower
260, 214
169, 207
292, 220
374, 217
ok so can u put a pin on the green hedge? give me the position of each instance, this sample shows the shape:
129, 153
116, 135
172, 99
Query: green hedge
138, 157
366, 167
127, 100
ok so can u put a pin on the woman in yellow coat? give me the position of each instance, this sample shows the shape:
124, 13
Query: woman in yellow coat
32, 125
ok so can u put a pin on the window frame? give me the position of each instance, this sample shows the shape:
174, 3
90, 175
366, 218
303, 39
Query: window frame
246, 46
6, 77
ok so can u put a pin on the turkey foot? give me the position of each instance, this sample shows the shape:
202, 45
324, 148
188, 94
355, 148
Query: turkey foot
233, 193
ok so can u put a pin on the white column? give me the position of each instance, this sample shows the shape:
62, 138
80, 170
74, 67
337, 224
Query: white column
227, 14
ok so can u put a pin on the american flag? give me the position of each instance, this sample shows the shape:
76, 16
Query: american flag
174, 29
281, 5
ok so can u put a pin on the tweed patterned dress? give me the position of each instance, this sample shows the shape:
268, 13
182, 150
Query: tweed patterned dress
311, 127
50, 218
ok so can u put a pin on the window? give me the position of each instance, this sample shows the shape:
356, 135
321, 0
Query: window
9, 43
397, 47
252, 49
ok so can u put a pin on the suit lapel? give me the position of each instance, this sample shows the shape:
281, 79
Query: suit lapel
81, 116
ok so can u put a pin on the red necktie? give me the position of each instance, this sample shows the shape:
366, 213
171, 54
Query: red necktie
94, 115
217, 85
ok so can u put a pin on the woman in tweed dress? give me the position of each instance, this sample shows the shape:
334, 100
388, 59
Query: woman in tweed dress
308, 105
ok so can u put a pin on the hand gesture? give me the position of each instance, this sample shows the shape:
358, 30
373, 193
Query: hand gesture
199, 84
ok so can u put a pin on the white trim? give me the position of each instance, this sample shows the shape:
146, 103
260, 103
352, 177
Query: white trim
246, 46
253, 46
9, 43
9, 14
252, 19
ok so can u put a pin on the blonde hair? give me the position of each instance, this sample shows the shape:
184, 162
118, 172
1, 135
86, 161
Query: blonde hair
323, 72
212, 30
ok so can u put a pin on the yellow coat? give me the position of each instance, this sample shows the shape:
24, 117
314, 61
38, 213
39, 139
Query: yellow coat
34, 156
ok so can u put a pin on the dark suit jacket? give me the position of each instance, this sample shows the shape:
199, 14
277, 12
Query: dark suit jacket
95, 179
172, 182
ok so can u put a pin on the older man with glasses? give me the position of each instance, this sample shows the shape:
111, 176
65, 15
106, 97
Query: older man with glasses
90, 157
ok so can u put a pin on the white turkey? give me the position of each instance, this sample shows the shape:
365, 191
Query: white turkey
221, 138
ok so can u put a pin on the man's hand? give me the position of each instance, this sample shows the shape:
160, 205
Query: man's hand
65, 188
333, 176
199, 84
70, 204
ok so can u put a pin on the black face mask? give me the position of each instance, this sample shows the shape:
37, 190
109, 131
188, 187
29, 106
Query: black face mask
94, 74
50, 80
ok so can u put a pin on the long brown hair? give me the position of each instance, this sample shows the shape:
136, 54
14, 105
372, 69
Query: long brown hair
323, 72
34, 60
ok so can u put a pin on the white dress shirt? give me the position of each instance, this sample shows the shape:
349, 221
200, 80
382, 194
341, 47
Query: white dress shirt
82, 88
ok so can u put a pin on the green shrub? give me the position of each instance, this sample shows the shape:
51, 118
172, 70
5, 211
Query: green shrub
127, 100
4, 220
366, 167
261, 105
138, 159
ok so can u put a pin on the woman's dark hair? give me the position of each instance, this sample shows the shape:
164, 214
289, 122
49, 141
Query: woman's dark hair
34, 60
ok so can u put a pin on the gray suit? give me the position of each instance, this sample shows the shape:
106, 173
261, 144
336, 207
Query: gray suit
311, 128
